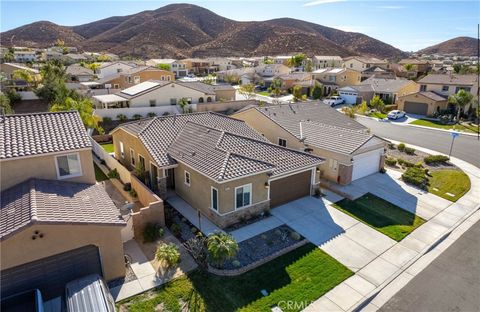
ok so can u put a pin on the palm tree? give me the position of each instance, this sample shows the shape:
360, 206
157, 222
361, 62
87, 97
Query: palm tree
84, 107
409, 67
276, 86
168, 253
183, 103
460, 100
221, 247
28, 76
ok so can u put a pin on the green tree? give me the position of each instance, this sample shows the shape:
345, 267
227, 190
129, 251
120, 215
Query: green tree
317, 91
8, 57
210, 79
163, 66
362, 108
377, 103
276, 87
267, 60
221, 247
84, 107
53, 88
183, 103
247, 90
308, 65
93, 66
350, 111
168, 253
5, 107
409, 67
460, 100
298, 96
296, 60
28, 76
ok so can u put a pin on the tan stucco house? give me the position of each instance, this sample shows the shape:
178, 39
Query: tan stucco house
54, 220
423, 103
350, 152
218, 165
133, 76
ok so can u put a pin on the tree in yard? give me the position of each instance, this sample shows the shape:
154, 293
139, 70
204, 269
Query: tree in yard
196, 246
163, 66
460, 100
276, 87
362, 108
317, 91
247, 90
28, 76
296, 60
377, 103
409, 67
183, 103
350, 111
53, 88
298, 96
93, 66
5, 107
308, 65
168, 253
84, 107
221, 247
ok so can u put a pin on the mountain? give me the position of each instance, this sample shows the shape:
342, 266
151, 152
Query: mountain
186, 30
465, 46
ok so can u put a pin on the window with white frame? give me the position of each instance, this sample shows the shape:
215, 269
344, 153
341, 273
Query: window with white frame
122, 151
243, 196
132, 157
187, 178
214, 198
282, 142
68, 166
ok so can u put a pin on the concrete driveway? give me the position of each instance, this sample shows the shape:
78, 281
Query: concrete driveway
351, 242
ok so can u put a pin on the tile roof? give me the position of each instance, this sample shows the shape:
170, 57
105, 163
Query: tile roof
223, 156
55, 202
386, 85
434, 96
157, 134
450, 79
41, 133
76, 69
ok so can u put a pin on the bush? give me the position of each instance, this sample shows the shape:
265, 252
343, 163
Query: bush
295, 236
151, 114
113, 174
152, 232
137, 116
435, 159
106, 119
127, 187
236, 263
221, 246
409, 150
415, 176
419, 164
121, 117
405, 163
401, 147
391, 162
168, 253
176, 229
133, 193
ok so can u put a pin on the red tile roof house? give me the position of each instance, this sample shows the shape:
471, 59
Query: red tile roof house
56, 223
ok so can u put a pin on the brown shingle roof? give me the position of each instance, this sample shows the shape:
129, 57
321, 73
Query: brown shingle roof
449, 79
55, 202
40, 133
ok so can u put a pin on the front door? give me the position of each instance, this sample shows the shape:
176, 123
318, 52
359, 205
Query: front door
170, 174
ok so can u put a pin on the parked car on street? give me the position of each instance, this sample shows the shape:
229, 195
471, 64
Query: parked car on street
333, 100
396, 114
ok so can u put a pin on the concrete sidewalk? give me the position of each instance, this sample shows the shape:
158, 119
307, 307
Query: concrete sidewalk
397, 265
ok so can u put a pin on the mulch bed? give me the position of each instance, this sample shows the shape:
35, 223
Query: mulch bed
415, 158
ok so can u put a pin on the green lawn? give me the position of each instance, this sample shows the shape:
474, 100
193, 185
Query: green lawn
449, 181
302, 275
99, 175
108, 147
378, 115
381, 215
265, 93
437, 124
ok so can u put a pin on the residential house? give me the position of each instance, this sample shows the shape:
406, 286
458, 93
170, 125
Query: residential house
56, 221
218, 165
78, 73
326, 61
176, 67
305, 80
423, 103
360, 63
356, 94
23, 56
419, 67
334, 78
222, 63
282, 59
241, 75
349, 150
112, 68
200, 67
72, 58
8, 70
133, 76
267, 72
390, 89
378, 72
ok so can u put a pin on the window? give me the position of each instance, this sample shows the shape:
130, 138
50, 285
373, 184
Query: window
122, 151
187, 178
462, 88
141, 160
333, 164
423, 88
243, 196
444, 88
173, 101
169, 78
153, 103
163, 77
282, 142
68, 166
136, 79
119, 70
209, 99
200, 100
214, 198
132, 157
351, 65
129, 79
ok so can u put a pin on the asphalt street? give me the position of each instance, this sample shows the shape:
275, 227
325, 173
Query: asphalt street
450, 283
465, 147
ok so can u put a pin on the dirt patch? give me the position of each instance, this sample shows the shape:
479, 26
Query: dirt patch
416, 157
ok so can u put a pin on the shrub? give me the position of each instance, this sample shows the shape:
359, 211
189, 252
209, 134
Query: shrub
151, 114
113, 174
419, 164
137, 116
236, 263
133, 193
127, 187
152, 232
391, 162
295, 236
435, 159
168, 253
121, 117
409, 150
405, 163
176, 229
221, 247
401, 147
106, 119
415, 176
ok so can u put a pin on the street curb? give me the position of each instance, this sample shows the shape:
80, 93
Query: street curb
443, 130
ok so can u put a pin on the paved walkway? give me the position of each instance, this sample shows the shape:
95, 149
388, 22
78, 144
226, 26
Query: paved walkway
256, 228
191, 214
402, 261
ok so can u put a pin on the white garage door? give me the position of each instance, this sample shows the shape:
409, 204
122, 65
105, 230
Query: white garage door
366, 164
348, 97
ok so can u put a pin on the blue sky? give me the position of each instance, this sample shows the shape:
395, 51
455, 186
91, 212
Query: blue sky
408, 25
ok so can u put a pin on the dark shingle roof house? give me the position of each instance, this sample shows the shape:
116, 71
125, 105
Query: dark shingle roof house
38, 201
34, 134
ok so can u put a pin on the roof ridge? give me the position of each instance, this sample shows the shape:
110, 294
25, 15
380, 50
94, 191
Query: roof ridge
33, 200
333, 126
42, 113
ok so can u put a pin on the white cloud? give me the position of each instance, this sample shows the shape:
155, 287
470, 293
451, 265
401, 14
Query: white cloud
320, 2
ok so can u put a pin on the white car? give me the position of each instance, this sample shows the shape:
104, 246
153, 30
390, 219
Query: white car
395, 114
333, 100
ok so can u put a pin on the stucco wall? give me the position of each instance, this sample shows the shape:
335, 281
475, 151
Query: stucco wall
20, 248
164, 94
43, 167
225, 95
416, 97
